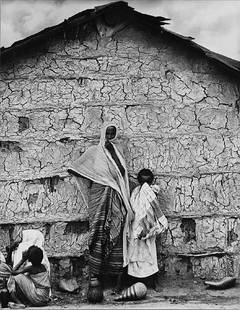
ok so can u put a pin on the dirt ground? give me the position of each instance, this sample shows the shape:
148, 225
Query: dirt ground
171, 290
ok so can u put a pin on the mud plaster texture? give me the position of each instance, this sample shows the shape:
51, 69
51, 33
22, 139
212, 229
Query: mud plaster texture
178, 115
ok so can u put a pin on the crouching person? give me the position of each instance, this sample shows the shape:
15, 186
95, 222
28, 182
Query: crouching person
28, 285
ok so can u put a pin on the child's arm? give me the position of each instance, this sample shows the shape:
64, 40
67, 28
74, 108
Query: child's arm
22, 261
158, 228
10, 249
22, 270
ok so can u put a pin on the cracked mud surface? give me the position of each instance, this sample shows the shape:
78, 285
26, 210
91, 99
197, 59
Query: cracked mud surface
177, 114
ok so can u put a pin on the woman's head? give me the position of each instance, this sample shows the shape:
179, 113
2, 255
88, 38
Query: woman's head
35, 255
111, 132
145, 175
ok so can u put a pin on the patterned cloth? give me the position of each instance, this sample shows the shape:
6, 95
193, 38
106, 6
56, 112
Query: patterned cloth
98, 165
30, 289
149, 221
107, 216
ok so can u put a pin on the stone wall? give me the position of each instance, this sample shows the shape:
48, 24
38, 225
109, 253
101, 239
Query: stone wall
177, 115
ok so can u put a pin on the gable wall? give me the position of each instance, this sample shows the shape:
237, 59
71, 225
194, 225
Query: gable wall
177, 116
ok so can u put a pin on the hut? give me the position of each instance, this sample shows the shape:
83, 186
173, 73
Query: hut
177, 105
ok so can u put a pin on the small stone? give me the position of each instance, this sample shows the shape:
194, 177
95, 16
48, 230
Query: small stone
68, 285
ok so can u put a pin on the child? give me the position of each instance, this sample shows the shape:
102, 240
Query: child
31, 284
35, 256
149, 221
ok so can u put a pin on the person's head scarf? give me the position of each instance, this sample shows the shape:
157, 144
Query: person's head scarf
104, 130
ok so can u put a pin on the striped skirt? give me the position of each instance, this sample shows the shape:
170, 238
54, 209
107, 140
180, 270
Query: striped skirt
106, 216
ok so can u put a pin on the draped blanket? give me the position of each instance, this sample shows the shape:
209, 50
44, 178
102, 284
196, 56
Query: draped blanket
107, 214
97, 165
149, 221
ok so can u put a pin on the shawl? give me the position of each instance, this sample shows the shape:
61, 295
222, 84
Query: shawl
149, 219
97, 165
147, 224
41, 279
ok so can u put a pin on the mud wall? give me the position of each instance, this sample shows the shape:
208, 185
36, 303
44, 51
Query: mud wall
177, 115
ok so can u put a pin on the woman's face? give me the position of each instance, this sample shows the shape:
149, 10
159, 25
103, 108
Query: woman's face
110, 133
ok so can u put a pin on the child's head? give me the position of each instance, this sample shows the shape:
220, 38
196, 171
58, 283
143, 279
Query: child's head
145, 175
35, 255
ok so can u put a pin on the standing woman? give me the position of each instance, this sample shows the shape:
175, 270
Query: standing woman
110, 212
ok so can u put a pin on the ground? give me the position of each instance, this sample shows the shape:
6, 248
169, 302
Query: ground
173, 293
